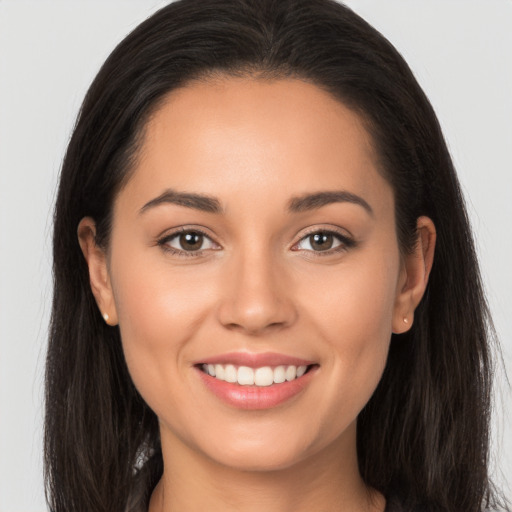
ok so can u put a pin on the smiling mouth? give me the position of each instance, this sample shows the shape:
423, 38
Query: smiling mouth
260, 377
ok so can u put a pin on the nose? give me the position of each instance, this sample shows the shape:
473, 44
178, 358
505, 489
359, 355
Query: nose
257, 297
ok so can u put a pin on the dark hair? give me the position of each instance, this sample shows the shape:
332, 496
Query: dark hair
424, 433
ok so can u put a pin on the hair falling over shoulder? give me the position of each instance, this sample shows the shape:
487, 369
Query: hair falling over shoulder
424, 435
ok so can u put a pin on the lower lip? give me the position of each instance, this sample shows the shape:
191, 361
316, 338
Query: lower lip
256, 397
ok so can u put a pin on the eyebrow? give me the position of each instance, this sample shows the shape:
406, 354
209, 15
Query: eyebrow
299, 204
314, 201
196, 201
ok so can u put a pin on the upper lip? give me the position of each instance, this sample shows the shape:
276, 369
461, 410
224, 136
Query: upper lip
253, 360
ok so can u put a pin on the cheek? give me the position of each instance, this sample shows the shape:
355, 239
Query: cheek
354, 316
159, 310
355, 299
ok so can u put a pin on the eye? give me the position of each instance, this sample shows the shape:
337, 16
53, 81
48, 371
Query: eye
324, 241
188, 241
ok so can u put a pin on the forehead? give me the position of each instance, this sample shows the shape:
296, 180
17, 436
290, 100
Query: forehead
253, 137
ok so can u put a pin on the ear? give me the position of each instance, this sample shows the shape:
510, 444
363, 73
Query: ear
414, 275
98, 270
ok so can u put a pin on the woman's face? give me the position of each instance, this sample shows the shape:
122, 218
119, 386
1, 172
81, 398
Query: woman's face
256, 232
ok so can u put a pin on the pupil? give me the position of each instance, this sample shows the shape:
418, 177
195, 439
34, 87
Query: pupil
191, 241
321, 241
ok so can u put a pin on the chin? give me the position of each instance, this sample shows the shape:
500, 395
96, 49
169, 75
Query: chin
260, 453
269, 458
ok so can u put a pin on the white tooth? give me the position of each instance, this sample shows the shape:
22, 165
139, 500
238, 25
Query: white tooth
245, 376
219, 372
205, 368
230, 373
264, 376
211, 370
279, 374
291, 372
301, 370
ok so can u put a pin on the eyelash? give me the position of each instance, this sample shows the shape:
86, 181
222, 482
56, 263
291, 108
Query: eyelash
345, 242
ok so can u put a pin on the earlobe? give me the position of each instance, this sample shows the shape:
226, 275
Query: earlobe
414, 276
99, 277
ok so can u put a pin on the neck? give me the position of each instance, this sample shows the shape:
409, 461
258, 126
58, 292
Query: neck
328, 481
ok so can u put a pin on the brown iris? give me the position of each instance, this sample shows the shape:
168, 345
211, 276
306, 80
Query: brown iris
321, 241
191, 241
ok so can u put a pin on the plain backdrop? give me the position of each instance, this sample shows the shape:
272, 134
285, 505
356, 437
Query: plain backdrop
461, 53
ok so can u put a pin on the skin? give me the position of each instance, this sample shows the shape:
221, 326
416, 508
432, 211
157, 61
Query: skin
258, 286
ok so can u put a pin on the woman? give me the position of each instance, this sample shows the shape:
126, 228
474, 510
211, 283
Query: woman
274, 300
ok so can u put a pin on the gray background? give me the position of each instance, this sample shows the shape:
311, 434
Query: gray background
460, 51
